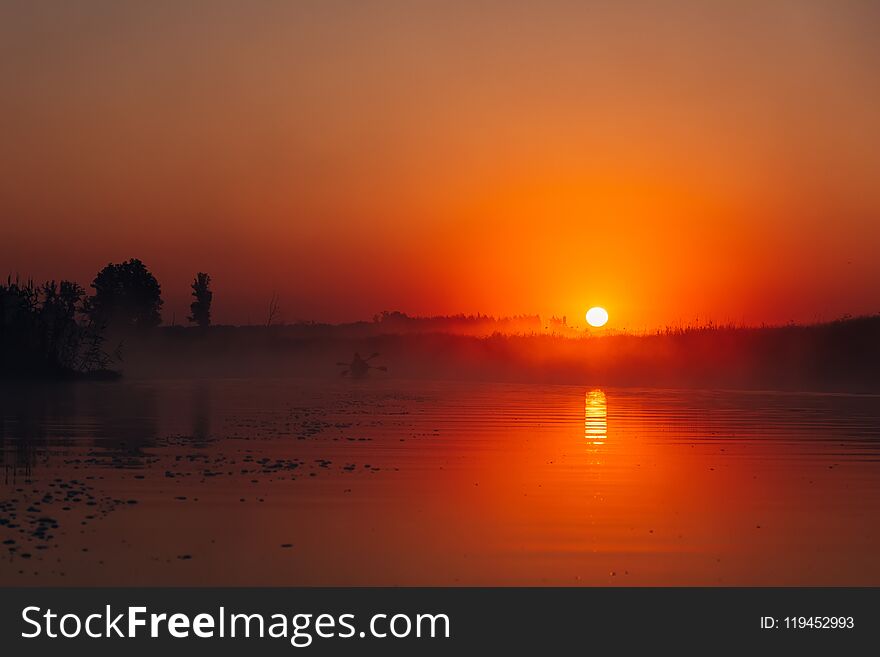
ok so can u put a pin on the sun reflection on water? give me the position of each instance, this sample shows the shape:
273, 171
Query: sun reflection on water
596, 417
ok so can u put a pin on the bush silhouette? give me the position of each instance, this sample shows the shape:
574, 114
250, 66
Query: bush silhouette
44, 331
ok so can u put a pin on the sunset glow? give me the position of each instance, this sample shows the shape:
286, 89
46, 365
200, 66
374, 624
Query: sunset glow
320, 153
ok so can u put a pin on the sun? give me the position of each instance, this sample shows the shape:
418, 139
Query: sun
597, 317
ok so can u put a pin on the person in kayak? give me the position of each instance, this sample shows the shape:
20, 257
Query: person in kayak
359, 367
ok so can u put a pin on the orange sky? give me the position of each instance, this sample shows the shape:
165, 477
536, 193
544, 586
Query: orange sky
693, 160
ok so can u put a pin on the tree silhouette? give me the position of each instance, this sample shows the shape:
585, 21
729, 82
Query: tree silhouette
127, 296
200, 309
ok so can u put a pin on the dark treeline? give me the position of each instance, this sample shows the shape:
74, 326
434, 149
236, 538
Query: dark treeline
58, 330
398, 322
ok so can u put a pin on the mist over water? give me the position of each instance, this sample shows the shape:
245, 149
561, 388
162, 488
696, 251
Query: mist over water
279, 481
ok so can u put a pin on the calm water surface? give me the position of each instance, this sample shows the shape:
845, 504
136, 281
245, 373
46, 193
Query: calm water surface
280, 482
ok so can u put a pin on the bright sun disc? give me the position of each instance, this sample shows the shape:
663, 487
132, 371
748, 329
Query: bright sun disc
597, 317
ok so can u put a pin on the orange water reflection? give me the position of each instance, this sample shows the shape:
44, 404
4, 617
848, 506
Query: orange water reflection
437, 484
596, 418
